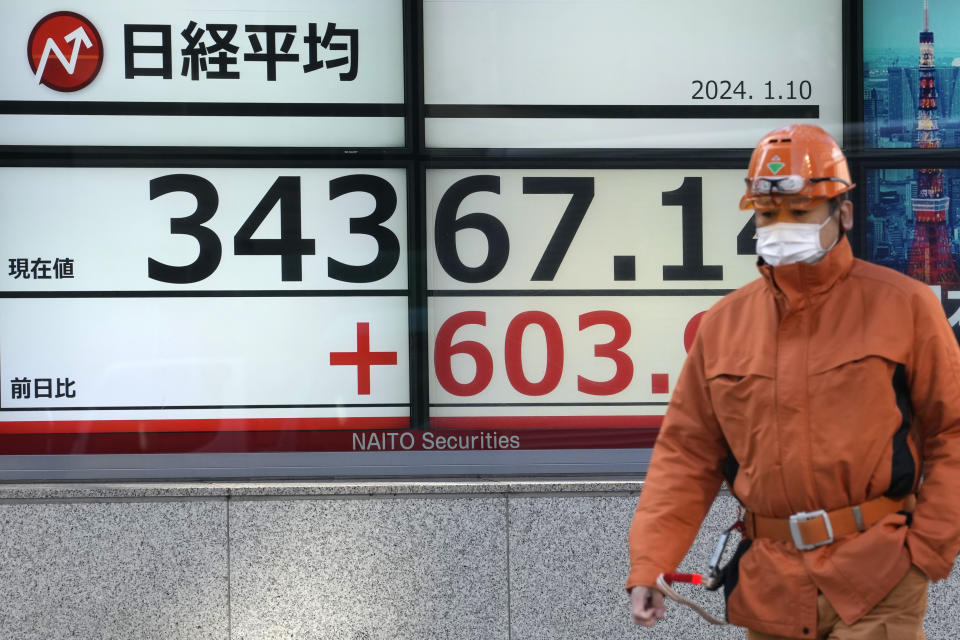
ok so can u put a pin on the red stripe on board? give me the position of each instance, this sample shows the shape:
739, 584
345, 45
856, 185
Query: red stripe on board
203, 425
326, 441
545, 422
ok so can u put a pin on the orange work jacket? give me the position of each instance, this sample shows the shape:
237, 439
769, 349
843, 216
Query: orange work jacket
791, 391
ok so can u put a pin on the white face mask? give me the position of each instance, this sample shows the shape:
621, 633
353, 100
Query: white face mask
789, 242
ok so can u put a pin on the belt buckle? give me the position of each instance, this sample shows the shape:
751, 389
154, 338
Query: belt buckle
804, 516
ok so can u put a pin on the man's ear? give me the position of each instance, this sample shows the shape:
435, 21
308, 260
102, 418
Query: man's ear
846, 215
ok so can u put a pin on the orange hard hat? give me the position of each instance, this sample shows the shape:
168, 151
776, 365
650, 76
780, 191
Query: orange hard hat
798, 166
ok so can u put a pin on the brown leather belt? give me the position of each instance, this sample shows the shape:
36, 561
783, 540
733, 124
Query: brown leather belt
812, 529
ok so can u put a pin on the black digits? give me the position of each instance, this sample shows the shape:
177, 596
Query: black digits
447, 225
290, 246
581, 190
388, 246
210, 251
690, 198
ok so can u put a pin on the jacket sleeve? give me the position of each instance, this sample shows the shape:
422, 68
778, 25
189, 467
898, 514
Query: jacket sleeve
934, 378
683, 478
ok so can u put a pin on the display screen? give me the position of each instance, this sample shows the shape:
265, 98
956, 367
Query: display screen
611, 74
911, 74
290, 232
289, 73
202, 300
562, 302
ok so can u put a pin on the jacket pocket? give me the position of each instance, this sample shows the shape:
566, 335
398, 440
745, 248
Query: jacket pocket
862, 421
737, 393
742, 398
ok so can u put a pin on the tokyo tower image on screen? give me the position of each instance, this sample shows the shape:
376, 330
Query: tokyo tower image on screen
929, 259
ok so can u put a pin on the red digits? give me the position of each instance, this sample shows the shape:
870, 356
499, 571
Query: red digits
514, 353
621, 335
444, 350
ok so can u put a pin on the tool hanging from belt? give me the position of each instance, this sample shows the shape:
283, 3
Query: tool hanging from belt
806, 529
712, 581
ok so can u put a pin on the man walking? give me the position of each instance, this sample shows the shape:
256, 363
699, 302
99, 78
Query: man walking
827, 394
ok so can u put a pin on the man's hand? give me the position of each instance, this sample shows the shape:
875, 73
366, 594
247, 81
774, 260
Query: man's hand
647, 605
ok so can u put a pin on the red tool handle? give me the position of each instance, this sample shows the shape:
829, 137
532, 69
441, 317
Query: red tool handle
692, 578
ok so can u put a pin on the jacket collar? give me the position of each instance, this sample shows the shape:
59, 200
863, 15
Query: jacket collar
799, 280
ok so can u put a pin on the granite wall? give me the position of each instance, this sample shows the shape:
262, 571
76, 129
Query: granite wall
477, 559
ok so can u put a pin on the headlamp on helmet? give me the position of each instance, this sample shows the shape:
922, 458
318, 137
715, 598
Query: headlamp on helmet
786, 191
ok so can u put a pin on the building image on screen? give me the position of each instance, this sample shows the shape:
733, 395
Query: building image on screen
899, 221
914, 227
910, 78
